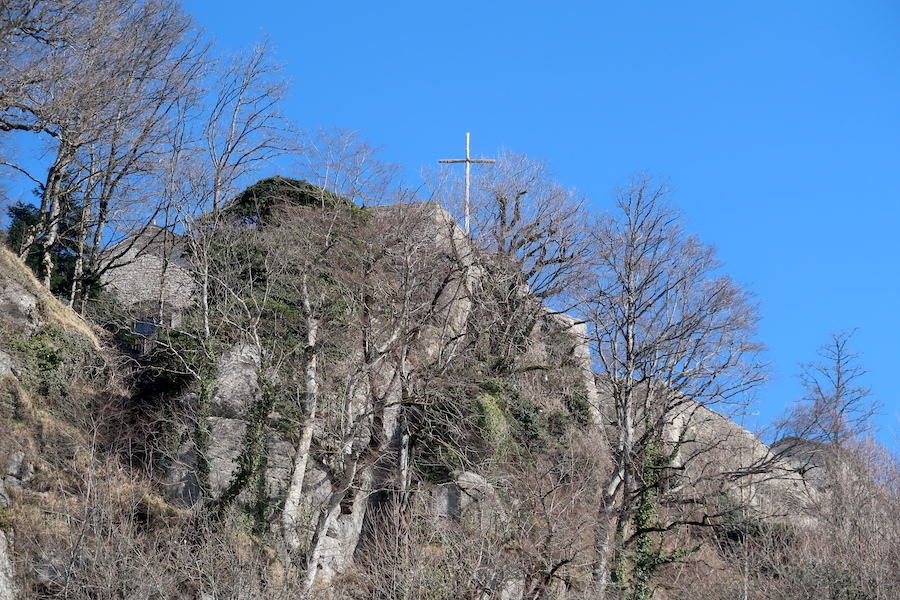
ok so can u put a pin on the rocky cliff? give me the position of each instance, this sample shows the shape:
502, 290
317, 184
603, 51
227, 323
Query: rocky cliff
445, 430
51, 369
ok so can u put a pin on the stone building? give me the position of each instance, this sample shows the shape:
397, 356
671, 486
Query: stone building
152, 277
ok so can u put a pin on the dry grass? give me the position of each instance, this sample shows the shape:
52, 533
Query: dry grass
49, 307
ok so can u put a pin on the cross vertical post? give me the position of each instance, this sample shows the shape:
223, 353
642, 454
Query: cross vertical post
468, 160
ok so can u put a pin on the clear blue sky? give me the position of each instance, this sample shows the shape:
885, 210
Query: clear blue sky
777, 123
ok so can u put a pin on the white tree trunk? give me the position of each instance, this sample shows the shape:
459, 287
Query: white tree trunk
326, 517
291, 510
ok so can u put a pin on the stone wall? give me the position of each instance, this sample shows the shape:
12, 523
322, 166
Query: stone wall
150, 270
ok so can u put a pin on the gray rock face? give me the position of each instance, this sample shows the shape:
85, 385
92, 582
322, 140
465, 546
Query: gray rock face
181, 477
343, 535
279, 462
445, 501
9, 403
470, 491
581, 355
226, 438
236, 383
475, 490
760, 479
6, 365
18, 307
8, 588
18, 470
226, 441
235, 391
805, 457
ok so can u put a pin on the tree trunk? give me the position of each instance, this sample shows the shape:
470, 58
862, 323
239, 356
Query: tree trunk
50, 209
77, 286
603, 533
326, 517
291, 510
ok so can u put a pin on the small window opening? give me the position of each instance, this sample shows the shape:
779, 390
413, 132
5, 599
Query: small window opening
146, 327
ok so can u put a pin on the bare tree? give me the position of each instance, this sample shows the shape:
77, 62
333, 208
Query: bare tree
845, 544
107, 84
837, 407
159, 55
29, 30
670, 335
312, 255
530, 235
100, 81
59, 94
526, 220
383, 277
342, 162
245, 127
334, 299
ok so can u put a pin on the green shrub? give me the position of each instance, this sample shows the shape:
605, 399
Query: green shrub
55, 362
490, 416
578, 406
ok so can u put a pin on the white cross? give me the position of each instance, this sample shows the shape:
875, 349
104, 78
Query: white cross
468, 160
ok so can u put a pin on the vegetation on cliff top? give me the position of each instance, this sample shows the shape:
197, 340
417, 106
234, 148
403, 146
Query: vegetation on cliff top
412, 417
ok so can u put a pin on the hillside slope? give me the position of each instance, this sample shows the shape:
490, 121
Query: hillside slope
448, 441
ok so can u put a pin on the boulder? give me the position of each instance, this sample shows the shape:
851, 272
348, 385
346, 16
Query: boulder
18, 307
8, 588
236, 387
469, 491
6, 365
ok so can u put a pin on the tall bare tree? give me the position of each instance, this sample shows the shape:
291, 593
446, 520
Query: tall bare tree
343, 162
160, 56
99, 80
530, 231
374, 283
29, 31
333, 298
245, 127
671, 335
837, 407
526, 219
